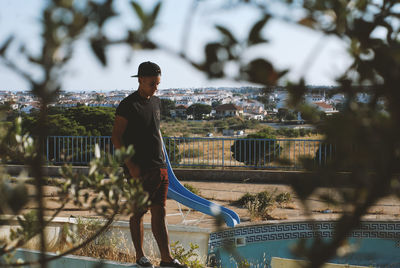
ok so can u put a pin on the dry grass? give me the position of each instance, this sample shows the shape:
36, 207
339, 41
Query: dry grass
289, 206
218, 152
376, 212
103, 247
106, 253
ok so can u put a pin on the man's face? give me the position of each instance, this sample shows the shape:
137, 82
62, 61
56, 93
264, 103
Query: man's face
149, 85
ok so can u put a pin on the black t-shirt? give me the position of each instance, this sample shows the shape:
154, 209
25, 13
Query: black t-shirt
143, 129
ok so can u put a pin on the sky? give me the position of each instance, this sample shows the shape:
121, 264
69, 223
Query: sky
290, 47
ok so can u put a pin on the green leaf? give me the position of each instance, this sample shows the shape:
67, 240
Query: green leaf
19, 198
255, 33
139, 11
5, 45
296, 93
228, 35
308, 22
261, 71
214, 64
34, 60
99, 50
156, 10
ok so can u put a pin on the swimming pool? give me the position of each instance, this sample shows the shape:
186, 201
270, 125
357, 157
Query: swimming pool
375, 243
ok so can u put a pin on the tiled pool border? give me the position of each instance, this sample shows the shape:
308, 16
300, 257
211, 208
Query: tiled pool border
295, 230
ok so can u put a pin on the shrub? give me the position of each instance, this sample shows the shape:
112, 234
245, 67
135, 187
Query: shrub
192, 188
294, 133
247, 197
288, 132
259, 209
266, 199
255, 150
189, 257
259, 205
283, 198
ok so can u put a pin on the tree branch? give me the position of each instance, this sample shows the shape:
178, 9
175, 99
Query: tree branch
15, 68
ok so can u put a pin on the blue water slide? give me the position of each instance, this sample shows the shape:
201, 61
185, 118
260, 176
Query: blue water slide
182, 195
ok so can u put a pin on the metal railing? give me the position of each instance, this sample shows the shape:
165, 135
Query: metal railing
75, 149
203, 152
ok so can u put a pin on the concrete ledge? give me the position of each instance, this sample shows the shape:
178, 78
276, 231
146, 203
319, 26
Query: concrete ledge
50, 171
212, 175
290, 263
232, 175
66, 261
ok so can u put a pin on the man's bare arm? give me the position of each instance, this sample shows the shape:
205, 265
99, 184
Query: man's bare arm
119, 128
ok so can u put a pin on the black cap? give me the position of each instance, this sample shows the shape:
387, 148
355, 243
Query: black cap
148, 68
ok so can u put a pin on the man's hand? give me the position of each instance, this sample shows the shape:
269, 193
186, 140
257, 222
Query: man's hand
134, 170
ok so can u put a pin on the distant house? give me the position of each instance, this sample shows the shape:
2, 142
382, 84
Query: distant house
14, 106
252, 107
326, 108
27, 108
228, 110
315, 98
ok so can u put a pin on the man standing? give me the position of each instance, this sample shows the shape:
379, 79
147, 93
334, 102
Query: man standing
137, 123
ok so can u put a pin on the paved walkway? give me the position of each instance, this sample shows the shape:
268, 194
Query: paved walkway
226, 193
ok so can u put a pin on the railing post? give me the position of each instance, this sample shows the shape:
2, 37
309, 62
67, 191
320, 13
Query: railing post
47, 150
320, 153
223, 154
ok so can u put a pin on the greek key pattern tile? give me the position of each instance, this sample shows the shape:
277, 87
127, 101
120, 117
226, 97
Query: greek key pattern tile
286, 231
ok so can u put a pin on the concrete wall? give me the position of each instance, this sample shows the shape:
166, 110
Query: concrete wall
216, 175
118, 234
66, 261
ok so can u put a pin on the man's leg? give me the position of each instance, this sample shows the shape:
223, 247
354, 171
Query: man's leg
160, 231
136, 227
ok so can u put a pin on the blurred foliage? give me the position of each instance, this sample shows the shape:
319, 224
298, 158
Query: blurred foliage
101, 191
366, 137
230, 50
63, 24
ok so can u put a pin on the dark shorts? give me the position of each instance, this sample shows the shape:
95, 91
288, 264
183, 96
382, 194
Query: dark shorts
155, 183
